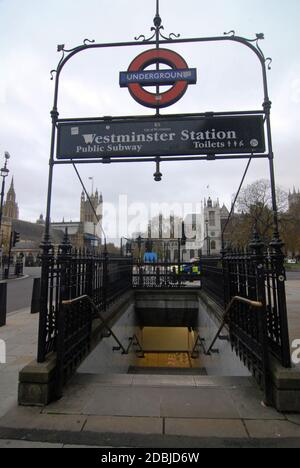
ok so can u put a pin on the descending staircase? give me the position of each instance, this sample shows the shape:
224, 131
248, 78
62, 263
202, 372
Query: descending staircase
166, 371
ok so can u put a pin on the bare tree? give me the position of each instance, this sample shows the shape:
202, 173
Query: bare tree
254, 210
291, 230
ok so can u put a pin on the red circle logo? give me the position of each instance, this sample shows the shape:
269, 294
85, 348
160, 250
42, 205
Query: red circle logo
167, 98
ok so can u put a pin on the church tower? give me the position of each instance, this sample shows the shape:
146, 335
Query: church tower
212, 218
87, 214
294, 198
90, 223
10, 208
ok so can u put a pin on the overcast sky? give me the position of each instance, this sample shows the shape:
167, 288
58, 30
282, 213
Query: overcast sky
229, 78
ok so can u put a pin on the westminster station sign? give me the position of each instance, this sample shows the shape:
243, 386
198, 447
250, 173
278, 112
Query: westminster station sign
143, 137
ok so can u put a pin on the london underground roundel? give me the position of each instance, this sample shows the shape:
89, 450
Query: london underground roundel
178, 76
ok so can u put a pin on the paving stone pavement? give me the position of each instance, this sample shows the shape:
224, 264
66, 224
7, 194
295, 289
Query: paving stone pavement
20, 337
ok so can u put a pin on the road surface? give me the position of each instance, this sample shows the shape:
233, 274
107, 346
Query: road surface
293, 275
19, 291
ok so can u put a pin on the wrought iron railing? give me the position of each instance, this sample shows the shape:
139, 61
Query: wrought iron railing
70, 273
75, 335
213, 281
166, 275
256, 274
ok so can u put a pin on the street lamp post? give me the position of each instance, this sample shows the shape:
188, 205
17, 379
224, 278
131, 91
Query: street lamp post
3, 173
207, 238
183, 238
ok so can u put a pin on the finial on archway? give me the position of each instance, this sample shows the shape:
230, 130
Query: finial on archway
157, 28
157, 19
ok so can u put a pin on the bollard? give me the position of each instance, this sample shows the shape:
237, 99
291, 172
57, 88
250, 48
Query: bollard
3, 300
36, 293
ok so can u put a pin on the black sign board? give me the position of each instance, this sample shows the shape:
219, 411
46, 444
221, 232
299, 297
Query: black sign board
170, 136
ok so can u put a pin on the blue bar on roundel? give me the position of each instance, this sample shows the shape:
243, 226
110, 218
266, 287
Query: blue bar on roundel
158, 77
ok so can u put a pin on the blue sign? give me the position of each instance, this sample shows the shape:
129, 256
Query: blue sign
159, 77
150, 257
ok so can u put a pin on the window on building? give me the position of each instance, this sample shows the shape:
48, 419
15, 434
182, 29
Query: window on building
212, 218
192, 254
194, 222
213, 245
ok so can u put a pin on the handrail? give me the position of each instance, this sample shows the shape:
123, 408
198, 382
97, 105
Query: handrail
243, 300
199, 342
124, 351
134, 341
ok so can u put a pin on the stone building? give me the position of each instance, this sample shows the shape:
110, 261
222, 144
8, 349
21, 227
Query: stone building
31, 237
10, 212
202, 233
293, 198
213, 218
87, 231
10, 207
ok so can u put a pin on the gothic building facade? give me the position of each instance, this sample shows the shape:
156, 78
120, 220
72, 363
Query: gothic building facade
213, 219
31, 234
202, 233
10, 212
293, 198
10, 207
87, 232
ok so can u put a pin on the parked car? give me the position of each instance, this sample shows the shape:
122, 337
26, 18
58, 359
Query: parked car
292, 261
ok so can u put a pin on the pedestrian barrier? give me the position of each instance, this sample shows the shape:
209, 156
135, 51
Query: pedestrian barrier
35, 299
3, 302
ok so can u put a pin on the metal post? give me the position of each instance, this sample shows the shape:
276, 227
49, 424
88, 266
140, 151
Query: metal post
54, 117
278, 270
157, 23
9, 254
90, 269
4, 174
105, 282
47, 258
3, 301
226, 280
46, 245
64, 258
36, 293
2, 200
267, 108
258, 259
207, 239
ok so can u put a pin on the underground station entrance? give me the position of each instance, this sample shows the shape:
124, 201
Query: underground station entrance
120, 337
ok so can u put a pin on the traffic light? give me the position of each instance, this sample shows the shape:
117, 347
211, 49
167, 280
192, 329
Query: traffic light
16, 238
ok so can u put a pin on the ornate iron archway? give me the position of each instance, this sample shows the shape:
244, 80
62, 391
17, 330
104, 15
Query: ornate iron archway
158, 39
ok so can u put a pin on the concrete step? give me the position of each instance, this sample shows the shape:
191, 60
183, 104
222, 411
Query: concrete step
162, 380
166, 370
